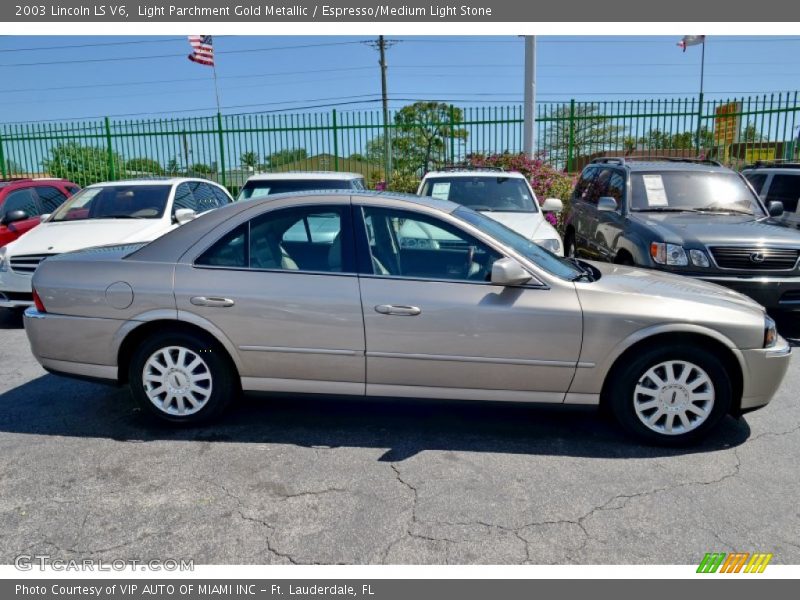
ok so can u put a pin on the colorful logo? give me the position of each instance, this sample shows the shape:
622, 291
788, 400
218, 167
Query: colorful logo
736, 562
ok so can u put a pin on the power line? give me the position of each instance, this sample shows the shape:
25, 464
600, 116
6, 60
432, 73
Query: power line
94, 45
157, 56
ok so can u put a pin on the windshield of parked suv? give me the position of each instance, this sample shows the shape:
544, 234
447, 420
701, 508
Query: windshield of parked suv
555, 265
269, 187
115, 202
493, 194
692, 191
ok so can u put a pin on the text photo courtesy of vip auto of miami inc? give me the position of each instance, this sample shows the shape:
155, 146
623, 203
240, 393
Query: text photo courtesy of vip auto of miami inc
398, 300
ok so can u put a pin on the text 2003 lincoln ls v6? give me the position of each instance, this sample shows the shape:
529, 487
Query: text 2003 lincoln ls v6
386, 295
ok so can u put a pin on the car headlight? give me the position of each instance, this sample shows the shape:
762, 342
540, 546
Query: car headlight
668, 254
552, 245
770, 332
3, 259
699, 258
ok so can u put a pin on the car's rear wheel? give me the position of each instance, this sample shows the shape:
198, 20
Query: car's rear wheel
181, 377
671, 395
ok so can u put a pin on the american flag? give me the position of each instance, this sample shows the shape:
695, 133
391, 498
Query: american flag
202, 50
691, 40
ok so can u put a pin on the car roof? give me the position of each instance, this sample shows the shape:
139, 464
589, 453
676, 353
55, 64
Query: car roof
475, 173
150, 181
792, 168
171, 246
294, 175
660, 164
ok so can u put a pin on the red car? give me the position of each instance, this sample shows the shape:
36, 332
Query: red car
24, 201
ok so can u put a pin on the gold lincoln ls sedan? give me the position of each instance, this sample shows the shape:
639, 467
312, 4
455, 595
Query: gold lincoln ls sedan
381, 294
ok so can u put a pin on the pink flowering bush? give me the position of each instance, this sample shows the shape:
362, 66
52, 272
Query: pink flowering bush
547, 182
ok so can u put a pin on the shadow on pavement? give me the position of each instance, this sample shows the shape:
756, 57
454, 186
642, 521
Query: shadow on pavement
52, 405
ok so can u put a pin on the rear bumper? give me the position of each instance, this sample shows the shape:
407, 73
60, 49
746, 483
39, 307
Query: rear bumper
76, 346
765, 369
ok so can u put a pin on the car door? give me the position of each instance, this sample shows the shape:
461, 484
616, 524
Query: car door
295, 322
436, 327
610, 224
581, 209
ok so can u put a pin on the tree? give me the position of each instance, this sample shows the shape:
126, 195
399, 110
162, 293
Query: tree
424, 128
82, 164
249, 160
284, 157
749, 133
201, 169
584, 128
144, 166
173, 168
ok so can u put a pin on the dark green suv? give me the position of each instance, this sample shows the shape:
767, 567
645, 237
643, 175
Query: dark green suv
689, 217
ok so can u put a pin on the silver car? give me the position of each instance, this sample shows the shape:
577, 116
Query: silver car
254, 297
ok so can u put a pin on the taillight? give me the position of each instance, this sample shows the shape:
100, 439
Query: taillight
37, 302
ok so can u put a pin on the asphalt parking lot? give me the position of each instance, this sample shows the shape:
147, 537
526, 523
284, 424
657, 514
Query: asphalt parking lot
296, 480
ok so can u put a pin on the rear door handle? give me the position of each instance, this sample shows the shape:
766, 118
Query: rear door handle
212, 301
398, 309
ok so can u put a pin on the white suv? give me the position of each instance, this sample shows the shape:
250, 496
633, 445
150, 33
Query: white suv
504, 196
777, 181
102, 214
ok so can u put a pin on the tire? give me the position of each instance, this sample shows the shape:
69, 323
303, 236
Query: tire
643, 407
182, 378
569, 245
625, 260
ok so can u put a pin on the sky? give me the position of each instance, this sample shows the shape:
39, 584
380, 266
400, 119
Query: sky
65, 77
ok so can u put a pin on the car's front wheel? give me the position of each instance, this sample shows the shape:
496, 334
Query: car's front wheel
181, 377
671, 395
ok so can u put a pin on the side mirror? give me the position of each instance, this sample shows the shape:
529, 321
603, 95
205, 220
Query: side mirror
507, 271
607, 204
775, 208
44, 218
14, 216
552, 205
184, 215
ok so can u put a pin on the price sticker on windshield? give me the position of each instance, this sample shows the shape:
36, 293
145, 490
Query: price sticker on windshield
654, 189
441, 191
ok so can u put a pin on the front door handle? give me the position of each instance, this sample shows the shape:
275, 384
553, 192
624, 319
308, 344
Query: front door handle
398, 309
211, 301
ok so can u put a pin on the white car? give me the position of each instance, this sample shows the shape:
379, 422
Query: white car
119, 212
268, 184
504, 196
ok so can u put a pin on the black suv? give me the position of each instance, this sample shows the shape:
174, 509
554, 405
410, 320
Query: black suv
689, 217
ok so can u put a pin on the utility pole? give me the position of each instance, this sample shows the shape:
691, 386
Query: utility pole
529, 126
382, 44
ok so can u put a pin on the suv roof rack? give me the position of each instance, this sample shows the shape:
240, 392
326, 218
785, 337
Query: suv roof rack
622, 160
783, 163
470, 168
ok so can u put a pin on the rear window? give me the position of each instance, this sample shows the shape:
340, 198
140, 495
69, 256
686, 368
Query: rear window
489, 194
259, 189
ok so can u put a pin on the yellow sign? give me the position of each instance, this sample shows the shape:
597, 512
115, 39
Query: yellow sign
726, 123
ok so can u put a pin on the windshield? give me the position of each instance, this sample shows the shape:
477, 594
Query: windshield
269, 187
548, 261
115, 202
494, 194
693, 191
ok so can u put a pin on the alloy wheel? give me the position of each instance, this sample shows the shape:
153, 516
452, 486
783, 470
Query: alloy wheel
177, 381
